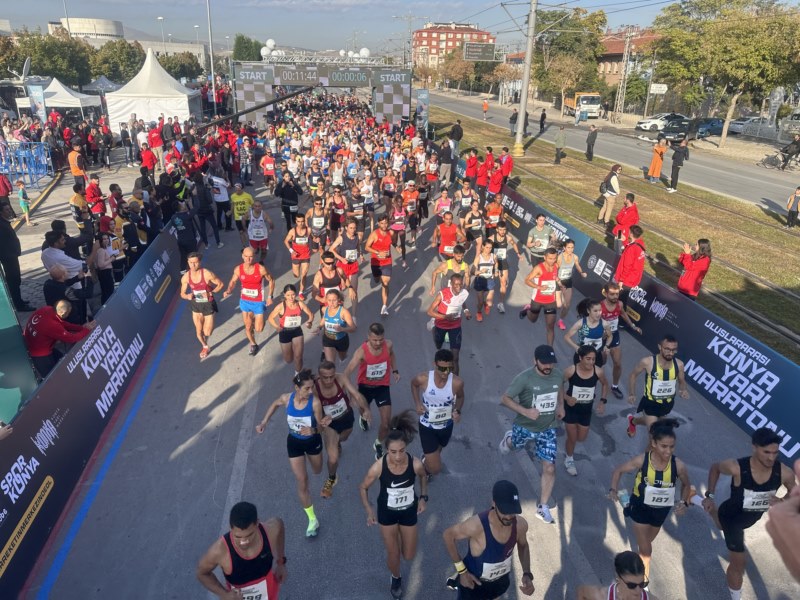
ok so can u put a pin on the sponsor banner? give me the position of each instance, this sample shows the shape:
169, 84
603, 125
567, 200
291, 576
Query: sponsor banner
749, 382
36, 96
17, 378
58, 430
461, 171
423, 102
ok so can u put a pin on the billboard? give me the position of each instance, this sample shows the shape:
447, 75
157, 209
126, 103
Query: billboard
478, 51
17, 378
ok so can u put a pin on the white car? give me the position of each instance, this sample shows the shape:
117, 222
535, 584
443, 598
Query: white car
737, 126
659, 121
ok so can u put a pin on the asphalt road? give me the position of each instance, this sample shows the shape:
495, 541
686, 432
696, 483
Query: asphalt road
739, 179
183, 450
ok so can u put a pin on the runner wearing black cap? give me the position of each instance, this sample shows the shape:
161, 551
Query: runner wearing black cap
484, 572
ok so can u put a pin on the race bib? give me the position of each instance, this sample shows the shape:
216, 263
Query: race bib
351, 255
465, 201
330, 329
548, 287
200, 296
565, 272
494, 219
297, 423
440, 414
376, 371
400, 497
411, 206
659, 497
250, 293
486, 272
338, 211
254, 591
476, 225
492, 571
613, 323
582, 395
454, 310
334, 411
301, 241
291, 322
594, 342
448, 249
258, 233
389, 187
756, 501
663, 389
318, 222
546, 403
500, 253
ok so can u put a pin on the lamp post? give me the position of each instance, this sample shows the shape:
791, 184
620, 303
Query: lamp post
197, 34
163, 39
228, 40
211, 56
66, 16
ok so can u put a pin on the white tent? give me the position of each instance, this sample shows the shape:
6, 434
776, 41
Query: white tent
57, 95
152, 92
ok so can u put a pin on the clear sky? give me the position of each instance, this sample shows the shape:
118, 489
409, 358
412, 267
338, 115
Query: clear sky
317, 24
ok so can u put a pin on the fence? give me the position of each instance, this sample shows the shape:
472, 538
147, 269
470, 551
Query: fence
29, 161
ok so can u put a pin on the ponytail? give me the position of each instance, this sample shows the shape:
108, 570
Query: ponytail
402, 427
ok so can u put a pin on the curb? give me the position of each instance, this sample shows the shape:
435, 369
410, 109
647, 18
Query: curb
42, 197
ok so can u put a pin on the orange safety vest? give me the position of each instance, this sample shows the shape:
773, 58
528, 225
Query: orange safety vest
73, 163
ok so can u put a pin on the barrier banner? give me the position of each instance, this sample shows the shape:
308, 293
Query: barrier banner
748, 381
58, 430
17, 378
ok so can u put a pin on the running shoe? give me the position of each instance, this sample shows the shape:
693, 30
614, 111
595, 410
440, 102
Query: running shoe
487, 309
204, 352
313, 528
479, 316
616, 391
543, 512
397, 587
451, 583
500, 308
671, 190
569, 465
362, 422
631, 427
378, 447
524, 312
327, 487
405, 265
429, 325
253, 349
504, 445
384, 311
561, 324
220, 244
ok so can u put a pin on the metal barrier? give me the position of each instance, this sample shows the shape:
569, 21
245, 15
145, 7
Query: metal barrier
29, 161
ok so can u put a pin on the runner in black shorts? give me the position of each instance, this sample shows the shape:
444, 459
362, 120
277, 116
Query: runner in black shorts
398, 503
198, 286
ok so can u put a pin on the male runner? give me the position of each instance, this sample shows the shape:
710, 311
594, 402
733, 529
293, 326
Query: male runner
445, 311
664, 377
251, 276
611, 310
379, 244
457, 264
446, 236
198, 286
241, 202
500, 242
347, 250
259, 226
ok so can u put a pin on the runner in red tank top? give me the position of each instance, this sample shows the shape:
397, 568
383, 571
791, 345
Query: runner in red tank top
198, 286
251, 276
544, 281
447, 235
612, 310
379, 244
298, 243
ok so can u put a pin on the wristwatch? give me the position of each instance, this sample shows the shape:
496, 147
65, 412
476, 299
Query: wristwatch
281, 560
604, 400
396, 372
424, 497
709, 495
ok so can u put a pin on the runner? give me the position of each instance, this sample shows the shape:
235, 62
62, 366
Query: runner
374, 359
591, 330
367, 191
484, 268
472, 223
198, 286
335, 323
251, 276
540, 237
629, 582
464, 198
329, 277
398, 503
484, 573
305, 418
537, 396
543, 279
336, 394
657, 474
379, 244
356, 209
495, 214
287, 319
442, 204
397, 227
567, 263
581, 383
445, 312
446, 235
241, 202
347, 252
389, 186
317, 218
268, 169
457, 264
664, 377
754, 481
612, 309
500, 242
298, 243
411, 206
258, 230
246, 555
439, 398
338, 208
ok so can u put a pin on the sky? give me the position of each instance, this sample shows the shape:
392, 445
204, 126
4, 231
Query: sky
318, 24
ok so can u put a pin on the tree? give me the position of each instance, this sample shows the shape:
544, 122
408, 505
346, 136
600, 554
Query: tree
564, 72
425, 73
183, 64
245, 48
8, 52
119, 60
503, 73
221, 65
58, 55
455, 68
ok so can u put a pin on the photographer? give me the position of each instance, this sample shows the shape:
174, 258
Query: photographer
790, 151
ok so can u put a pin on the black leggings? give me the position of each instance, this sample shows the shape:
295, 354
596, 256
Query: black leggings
289, 216
106, 279
208, 218
224, 208
676, 170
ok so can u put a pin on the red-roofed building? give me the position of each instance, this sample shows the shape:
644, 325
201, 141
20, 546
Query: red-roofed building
433, 42
609, 65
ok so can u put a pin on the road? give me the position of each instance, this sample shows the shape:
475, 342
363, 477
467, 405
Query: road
739, 179
184, 449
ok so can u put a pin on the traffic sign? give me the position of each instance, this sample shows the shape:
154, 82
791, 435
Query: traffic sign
658, 88
479, 51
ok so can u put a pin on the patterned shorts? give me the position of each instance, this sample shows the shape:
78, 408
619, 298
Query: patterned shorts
545, 442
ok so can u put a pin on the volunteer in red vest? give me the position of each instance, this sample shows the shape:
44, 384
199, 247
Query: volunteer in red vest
630, 267
627, 217
379, 245
446, 310
47, 326
696, 262
544, 281
251, 276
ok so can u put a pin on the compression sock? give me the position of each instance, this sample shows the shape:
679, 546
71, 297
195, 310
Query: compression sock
310, 514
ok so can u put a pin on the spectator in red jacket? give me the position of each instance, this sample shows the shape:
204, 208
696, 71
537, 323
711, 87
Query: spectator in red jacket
471, 170
149, 159
482, 180
496, 180
94, 196
695, 266
156, 142
489, 160
630, 267
47, 326
627, 216
506, 164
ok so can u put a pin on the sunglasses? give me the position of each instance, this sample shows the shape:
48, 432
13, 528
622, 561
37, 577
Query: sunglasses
330, 264
444, 369
632, 586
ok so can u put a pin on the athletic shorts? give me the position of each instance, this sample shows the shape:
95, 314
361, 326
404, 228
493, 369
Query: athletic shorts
567, 283
615, 340
549, 309
580, 414
323, 239
340, 345
406, 517
545, 441
257, 308
296, 446
733, 523
482, 284
259, 244
285, 336
473, 235
204, 308
654, 409
239, 225
502, 265
360, 225
343, 423
433, 439
640, 513
379, 271
487, 590
349, 268
454, 337
379, 393
300, 261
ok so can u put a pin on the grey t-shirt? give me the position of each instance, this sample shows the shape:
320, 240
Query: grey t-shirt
532, 389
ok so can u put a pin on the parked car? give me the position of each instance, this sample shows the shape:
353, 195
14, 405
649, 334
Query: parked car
659, 121
737, 126
676, 131
710, 126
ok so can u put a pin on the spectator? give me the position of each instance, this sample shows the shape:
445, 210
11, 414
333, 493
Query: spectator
627, 216
790, 151
5, 188
590, 141
59, 287
609, 189
456, 134
103, 263
222, 199
512, 122
543, 121
791, 208
696, 262
149, 159
446, 163
156, 142
127, 144
183, 220
525, 126
657, 162
24, 202
246, 158
471, 171
53, 254
47, 326
560, 142
680, 155
630, 267
94, 196
130, 227
145, 180
204, 202
506, 164
74, 245
10, 251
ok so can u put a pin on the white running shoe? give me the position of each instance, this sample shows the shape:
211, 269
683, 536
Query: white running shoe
504, 445
384, 310
429, 325
543, 512
500, 308
569, 465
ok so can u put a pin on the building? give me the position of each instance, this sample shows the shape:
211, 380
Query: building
609, 64
433, 42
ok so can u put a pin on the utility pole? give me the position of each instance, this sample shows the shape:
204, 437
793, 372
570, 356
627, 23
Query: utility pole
619, 103
409, 18
519, 149
652, 74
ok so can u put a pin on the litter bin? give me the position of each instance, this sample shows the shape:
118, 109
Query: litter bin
584, 115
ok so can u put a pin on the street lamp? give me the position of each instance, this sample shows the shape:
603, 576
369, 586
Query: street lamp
211, 55
228, 39
163, 39
197, 34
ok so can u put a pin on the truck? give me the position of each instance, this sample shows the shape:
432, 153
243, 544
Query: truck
585, 101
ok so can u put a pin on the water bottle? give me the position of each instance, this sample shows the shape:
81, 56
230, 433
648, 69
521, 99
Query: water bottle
624, 497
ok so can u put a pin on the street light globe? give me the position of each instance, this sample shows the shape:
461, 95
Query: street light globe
275, 53
364, 53
350, 54
271, 44
264, 52
342, 53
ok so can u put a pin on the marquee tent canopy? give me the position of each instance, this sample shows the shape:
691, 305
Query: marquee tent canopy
102, 84
57, 95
